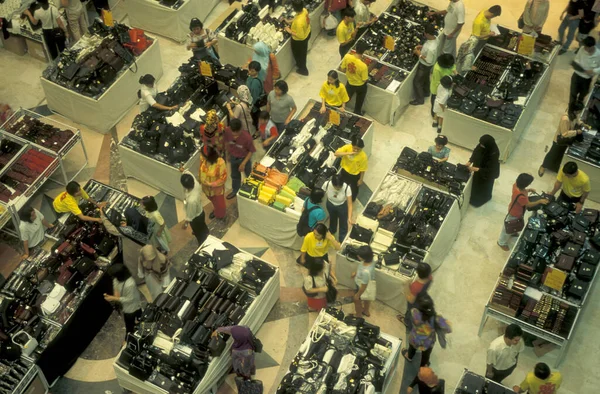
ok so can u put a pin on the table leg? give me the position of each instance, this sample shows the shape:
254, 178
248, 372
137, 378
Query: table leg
483, 321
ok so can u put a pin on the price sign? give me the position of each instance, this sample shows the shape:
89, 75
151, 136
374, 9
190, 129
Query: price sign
555, 279
389, 43
334, 117
526, 45
205, 69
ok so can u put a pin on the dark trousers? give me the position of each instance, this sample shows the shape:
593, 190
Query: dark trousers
55, 47
130, 319
425, 354
432, 99
352, 181
573, 200
580, 87
421, 82
500, 375
280, 127
300, 51
361, 93
199, 228
338, 213
236, 175
345, 48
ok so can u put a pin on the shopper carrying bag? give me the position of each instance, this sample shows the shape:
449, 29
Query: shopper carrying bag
315, 285
364, 278
53, 28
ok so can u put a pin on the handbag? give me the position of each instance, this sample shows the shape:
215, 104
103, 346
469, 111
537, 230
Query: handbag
331, 294
520, 22
57, 32
441, 334
216, 345
513, 226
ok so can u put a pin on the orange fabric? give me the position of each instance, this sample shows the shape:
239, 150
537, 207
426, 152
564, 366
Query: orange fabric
213, 177
273, 74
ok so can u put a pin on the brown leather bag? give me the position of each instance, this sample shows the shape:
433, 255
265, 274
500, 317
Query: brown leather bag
514, 226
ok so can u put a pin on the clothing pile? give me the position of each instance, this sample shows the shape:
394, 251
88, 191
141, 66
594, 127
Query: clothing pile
39, 133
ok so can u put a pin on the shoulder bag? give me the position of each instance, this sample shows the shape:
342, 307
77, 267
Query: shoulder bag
441, 334
331, 294
513, 226
57, 32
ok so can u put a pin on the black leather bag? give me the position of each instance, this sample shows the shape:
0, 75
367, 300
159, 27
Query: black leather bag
201, 336
140, 368
216, 345
177, 154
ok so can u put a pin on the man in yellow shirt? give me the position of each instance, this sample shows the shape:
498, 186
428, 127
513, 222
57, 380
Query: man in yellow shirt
68, 202
357, 74
354, 164
346, 31
540, 381
300, 31
574, 184
482, 25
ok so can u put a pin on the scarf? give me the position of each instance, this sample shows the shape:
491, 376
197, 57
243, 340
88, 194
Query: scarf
242, 338
261, 55
211, 123
244, 94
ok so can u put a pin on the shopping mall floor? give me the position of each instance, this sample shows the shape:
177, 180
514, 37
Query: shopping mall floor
461, 286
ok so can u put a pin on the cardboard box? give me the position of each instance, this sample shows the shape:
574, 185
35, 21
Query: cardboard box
36, 50
15, 44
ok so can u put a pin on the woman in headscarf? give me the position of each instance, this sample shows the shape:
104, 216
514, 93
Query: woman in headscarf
466, 55
242, 350
153, 267
269, 68
212, 132
213, 175
242, 110
485, 166
194, 214
535, 15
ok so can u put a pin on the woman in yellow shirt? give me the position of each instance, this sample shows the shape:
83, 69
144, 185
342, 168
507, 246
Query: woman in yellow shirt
316, 246
354, 164
213, 175
333, 93
300, 31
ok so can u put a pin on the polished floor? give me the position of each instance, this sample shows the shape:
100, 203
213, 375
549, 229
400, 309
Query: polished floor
462, 285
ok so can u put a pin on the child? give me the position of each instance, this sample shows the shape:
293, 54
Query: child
268, 130
440, 151
443, 93
202, 41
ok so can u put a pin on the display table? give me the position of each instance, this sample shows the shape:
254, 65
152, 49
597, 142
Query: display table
168, 22
468, 379
103, 114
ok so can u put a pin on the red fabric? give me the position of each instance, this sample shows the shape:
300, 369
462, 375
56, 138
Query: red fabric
336, 5
519, 209
218, 203
416, 287
239, 147
316, 303
262, 127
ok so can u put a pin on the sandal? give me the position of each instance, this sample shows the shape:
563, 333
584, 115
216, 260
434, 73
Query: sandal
541, 171
367, 315
405, 355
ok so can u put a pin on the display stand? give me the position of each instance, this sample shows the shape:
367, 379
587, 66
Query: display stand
104, 113
168, 22
492, 387
34, 381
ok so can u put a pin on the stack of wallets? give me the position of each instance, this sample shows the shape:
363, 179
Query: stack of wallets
524, 273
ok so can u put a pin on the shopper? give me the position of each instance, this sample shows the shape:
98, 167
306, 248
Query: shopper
300, 31
242, 350
570, 18
257, 91
588, 61
534, 16
53, 29
444, 66
160, 236
147, 95
354, 164
126, 294
440, 151
416, 289
519, 202
454, 20
427, 382
281, 105
316, 245
357, 74
267, 129
240, 149
427, 54
466, 55
76, 20
269, 68
574, 185
441, 98
213, 132
316, 214
425, 323
485, 166
153, 267
32, 228
346, 31
335, 8
201, 41
339, 205
194, 213
563, 137
587, 23
482, 25
213, 175
364, 274
68, 201
503, 353
315, 285
242, 110
541, 381
363, 17
333, 93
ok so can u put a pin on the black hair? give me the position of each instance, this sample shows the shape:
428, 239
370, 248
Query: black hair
589, 42
574, 109
496, 10
357, 141
149, 204
44, 3
316, 266
264, 115
446, 81
348, 12
365, 253
254, 65
187, 181
195, 22
283, 86
424, 304
429, 29
25, 214
147, 79
524, 180
336, 180
316, 195
542, 371
297, 5
423, 270
333, 74
235, 124
210, 154
321, 229
446, 60
513, 331
119, 272
73, 187
441, 140
570, 168
361, 46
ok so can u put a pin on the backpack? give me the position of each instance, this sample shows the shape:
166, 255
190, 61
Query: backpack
302, 228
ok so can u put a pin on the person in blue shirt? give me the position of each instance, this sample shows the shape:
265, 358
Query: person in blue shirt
316, 215
440, 151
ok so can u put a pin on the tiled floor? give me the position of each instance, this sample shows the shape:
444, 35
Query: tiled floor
462, 284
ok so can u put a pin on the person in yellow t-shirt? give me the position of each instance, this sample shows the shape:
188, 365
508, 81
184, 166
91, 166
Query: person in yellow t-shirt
333, 93
574, 185
300, 30
354, 164
67, 201
346, 31
357, 73
541, 381
482, 25
316, 244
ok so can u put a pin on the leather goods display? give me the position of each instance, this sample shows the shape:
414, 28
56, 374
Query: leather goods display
38, 132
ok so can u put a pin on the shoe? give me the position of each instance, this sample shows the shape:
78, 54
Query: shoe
439, 130
541, 171
562, 51
231, 195
405, 355
503, 247
434, 125
302, 72
212, 215
415, 102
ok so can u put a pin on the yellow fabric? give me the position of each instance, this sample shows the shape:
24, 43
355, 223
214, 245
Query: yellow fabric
284, 200
314, 247
334, 96
267, 190
301, 26
344, 32
535, 385
67, 203
354, 164
481, 25
356, 70
574, 186
289, 190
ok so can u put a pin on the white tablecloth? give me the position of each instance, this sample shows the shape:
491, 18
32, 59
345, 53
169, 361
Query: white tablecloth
104, 113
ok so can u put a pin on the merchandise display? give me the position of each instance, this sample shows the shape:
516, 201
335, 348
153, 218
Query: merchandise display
511, 39
18, 376
39, 133
383, 75
472, 383
342, 354
12, 11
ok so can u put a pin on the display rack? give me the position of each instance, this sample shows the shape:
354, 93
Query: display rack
482, 381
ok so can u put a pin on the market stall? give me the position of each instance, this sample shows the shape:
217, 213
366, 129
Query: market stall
470, 382
274, 211
335, 347
23, 377
546, 281
169, 18
220, 286
501, 95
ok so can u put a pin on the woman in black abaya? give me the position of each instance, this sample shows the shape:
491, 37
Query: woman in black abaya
485, 166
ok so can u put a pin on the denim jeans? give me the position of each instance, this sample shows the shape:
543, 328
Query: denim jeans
572, 25
504, 237
236, 175
338, 213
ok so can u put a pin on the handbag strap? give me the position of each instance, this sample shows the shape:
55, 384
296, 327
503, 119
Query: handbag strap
513, 205
51, 16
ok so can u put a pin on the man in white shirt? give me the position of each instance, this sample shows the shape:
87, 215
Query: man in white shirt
427, 54
454, 19
503, 353
586, 65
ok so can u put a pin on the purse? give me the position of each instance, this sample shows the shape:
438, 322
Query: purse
57, 32
216, 345
331, 294
514, 226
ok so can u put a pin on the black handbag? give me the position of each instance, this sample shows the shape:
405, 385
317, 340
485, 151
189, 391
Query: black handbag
216, 345
331, 294
57, 32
